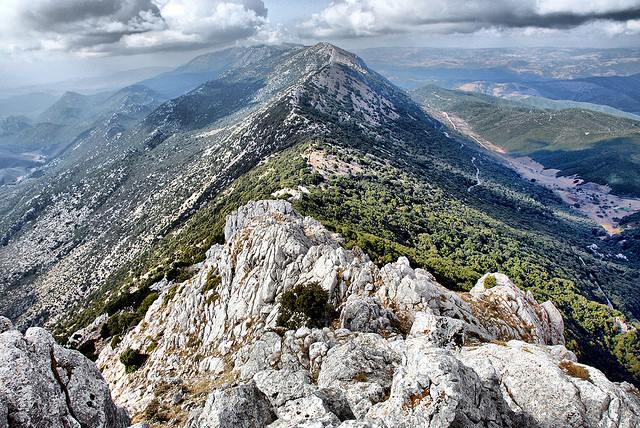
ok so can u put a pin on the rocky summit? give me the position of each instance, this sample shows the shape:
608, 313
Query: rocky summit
281, 326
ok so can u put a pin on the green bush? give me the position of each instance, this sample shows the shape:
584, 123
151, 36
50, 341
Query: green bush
490, 282
213, 282
210, 287
132, 359
169, 295
305, 305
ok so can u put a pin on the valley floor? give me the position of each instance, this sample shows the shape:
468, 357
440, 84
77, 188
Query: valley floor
591, 199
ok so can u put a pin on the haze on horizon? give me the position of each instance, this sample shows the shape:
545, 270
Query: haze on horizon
44, 41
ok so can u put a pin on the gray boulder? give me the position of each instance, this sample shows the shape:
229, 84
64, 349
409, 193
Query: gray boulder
366, 314
242, 406
45, 385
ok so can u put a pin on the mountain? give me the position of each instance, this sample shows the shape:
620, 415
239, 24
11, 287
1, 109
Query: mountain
412, 67
620, 92
105, 81
596, 147
120, 212
210, 66
25, 146
282, 325
30, 104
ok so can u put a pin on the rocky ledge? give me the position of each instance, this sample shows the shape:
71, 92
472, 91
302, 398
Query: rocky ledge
399, 351
45, 385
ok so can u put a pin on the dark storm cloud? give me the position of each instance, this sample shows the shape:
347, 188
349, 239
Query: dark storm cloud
53, 14
361, 18
122, 26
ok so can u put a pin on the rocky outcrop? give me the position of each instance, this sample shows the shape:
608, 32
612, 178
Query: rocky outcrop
45, 385
403, 351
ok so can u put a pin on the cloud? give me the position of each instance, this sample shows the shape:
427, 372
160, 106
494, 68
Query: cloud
93, 27
364, 18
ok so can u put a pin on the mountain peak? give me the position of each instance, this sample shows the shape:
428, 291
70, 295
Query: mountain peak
336, 55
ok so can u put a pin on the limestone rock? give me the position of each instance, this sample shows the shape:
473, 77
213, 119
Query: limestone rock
403, 352
243, 406
510, 313
434, 389
365, 314
45, 385
554, 392
305, 412
363, 367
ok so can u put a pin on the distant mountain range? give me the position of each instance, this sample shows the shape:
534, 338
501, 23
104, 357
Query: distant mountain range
414, 67
620, 92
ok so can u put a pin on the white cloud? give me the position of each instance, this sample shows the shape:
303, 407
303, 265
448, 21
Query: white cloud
92, 27
362, 18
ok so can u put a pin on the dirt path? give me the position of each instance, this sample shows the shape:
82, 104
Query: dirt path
478, 182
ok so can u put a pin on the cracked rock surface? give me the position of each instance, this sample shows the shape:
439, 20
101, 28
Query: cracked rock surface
47, 386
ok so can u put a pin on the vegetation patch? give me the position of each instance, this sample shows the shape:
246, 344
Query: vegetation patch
212, 282
132, 359
575, 370
305, 305
490, 282
152, 346
210, 287
169, 295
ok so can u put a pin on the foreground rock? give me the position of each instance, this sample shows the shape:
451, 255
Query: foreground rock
47, 386
403, 351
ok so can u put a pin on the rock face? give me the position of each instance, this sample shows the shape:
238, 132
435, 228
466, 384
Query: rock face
403, 351
45, 385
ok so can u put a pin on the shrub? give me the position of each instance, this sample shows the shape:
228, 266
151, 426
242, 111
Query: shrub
169, 294
305, 305
490, 282
132, 359
211, 284
179, 271
146, 303
115, 341
213, 281
152, 346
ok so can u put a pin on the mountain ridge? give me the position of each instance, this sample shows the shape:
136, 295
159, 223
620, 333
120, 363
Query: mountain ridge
123, 209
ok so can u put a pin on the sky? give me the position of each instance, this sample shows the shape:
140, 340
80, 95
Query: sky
49, 40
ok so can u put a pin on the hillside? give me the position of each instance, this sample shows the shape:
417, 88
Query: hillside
124, 210
620, 92
596, 147
298, 330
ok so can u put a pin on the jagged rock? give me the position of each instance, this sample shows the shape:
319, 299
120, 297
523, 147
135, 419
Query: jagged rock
433, 388
363, 367
336, 401
552, 391
45, 385
243, 406
281, 386
5, 324
439, 331
434, 350
305, 412
89, 333
510, 313
365, 314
